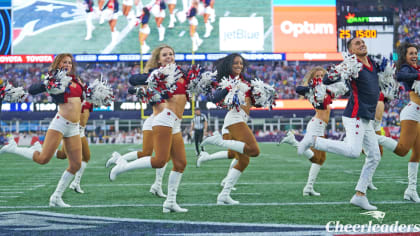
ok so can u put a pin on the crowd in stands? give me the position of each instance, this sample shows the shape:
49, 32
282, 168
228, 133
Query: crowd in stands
409, 28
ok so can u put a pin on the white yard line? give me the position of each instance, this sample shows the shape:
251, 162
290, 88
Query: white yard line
206, 204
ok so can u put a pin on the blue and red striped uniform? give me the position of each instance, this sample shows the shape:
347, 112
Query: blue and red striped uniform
364, 94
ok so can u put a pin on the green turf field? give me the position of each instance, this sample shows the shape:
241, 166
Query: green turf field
270, 190
70, 36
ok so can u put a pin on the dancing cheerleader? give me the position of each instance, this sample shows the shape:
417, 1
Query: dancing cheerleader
239, 95
408, 72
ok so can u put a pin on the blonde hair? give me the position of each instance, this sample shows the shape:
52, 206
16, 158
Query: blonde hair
56, 63
153, 62
311, 74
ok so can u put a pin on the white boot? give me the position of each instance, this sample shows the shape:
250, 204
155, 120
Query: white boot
156, 187
209, 28
198, 40
172, 20
131, 156
290, 139
161, 31
371, 186
55, 199
114, 37
13, 148
170, 204
75, 185
204, 156
37, 146
387, 142
411, 191
123, 166
212, 16
217, 140
232, 164
89, 26
224, 196
309, 188
194, 44
113, 159
362, 202
145, 48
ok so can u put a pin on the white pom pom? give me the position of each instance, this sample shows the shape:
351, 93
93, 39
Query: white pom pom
13, 94
416, 87
100, 93
262, 93
349, 68
57, 83
337, 89
386, 78
202, 84
236, 94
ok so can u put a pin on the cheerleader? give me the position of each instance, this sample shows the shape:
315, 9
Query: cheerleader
243, 141
316, 127
192, 20
157, 8
88, 4
87, 108
208, 16
166, 126
408, 72
171, 7
144, 30
66, 90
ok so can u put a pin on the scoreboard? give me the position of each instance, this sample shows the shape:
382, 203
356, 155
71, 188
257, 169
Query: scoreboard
376, 29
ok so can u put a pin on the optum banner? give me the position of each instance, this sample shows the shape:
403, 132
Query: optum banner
303, 28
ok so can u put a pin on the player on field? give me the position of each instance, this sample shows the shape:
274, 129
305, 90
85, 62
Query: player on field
408, 72
358, 121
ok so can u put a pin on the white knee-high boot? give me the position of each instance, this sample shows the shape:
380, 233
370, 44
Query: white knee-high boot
156, 187
387, 142
224, 196
204, 156
131, 156
170, 204
13, 148
75, 185
411, 191
217, 140
55, 199
123, 166
313, 173
232, 164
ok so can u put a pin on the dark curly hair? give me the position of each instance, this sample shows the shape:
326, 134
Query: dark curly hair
402, 52
224, 65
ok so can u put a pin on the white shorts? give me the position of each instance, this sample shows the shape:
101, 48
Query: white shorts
67, 128
233, 117
156, 12
316, 127
127, 2
147, 125
109, 14
410, 112
177, 128
170, 2
165, 118
82, 131
193, 21
224, 131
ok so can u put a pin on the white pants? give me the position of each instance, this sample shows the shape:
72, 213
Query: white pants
410, 112
147, 125
315, 127
359, 135
67, 128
